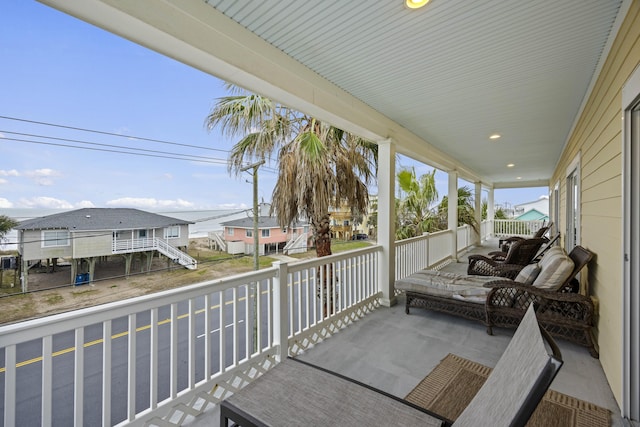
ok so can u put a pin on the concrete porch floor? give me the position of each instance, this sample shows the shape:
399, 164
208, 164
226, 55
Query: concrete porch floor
393, 352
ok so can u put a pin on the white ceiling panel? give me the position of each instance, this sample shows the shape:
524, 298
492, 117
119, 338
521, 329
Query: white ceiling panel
454, 71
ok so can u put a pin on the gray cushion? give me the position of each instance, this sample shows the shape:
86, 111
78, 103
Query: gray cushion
441, 283
528, 274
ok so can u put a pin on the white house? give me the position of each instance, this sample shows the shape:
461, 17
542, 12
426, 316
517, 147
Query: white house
84, 235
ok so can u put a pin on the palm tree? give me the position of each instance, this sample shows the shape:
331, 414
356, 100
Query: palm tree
497, 214
414, 211
6, 224
318, 165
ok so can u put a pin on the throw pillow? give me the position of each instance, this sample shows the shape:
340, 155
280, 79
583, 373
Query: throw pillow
555, 271
528, 274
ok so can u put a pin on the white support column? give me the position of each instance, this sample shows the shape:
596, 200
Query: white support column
453, 213
478, 213
491, 210
386, 220
280, 313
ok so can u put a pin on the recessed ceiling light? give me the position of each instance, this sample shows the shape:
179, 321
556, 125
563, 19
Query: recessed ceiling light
416, 4
510, 165
495, 136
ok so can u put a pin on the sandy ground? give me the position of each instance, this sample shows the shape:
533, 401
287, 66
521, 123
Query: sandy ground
53, 294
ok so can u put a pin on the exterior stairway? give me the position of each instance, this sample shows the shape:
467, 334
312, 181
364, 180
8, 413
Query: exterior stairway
155, 244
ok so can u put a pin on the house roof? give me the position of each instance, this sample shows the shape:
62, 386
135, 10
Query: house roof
263, 222
437, 80
100, 219
532, 215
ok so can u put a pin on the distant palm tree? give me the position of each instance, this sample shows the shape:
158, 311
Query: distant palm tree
466, 212
6, 224
319, 166
497, 214
414, 213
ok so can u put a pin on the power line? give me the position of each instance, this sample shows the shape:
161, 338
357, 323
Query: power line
195, 159
112, 134
108, 145
130, 137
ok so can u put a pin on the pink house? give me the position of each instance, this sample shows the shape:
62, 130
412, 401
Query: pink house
238, 234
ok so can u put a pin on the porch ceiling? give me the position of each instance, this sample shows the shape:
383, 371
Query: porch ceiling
438, 80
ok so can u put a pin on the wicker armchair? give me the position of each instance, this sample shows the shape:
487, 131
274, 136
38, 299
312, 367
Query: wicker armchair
563, 313
505, 244
501, 255
520, 254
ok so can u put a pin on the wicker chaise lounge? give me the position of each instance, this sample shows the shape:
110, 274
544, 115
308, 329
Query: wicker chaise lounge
496, 301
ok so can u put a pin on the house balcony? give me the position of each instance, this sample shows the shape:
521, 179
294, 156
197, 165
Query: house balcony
170, 358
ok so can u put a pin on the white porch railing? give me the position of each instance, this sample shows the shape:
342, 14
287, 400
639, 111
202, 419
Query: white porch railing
150, 244
160, 358
512, 227
431, 250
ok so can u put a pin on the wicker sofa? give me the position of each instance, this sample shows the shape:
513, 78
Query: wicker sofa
496, 301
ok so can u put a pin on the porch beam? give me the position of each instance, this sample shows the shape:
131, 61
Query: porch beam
386, 220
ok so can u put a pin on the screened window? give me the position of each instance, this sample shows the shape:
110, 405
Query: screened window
249, 233
55, 238
172, 232
266, 233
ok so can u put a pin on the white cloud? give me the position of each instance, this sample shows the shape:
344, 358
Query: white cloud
3, 181
12, 172
43, 177
4, 203
85, 204
149, 203
45, 202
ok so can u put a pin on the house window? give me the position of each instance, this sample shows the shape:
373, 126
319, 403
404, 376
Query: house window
55, 238
266, 233
142, 234
229, 231
249, 233
172, 232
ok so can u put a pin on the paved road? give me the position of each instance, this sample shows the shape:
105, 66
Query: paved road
29, 373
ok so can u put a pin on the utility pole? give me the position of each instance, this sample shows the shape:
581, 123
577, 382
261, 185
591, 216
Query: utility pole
256, 252
256, 240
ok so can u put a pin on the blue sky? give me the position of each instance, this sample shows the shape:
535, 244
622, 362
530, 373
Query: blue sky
60, 71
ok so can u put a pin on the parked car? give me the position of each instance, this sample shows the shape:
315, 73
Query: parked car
359, 236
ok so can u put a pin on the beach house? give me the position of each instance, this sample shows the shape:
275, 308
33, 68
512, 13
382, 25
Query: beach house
83, 236
498, 94
272, 238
